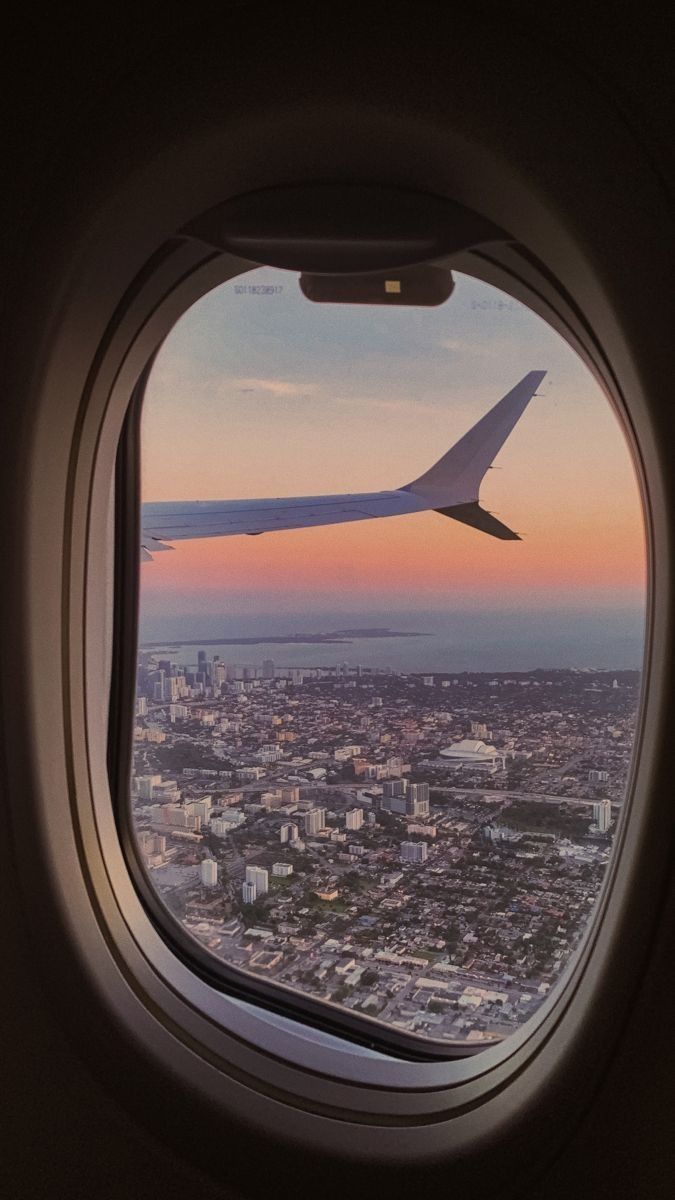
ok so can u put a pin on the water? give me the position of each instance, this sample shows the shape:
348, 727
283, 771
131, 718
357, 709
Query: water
610, 639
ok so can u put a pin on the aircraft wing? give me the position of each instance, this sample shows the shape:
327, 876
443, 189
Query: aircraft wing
450, 487
173, 522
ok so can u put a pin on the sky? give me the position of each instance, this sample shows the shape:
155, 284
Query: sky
266, 394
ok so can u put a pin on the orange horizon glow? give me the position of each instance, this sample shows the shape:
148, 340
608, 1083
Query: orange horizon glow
424, 552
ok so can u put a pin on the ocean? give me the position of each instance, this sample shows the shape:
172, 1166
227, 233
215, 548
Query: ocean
466, 640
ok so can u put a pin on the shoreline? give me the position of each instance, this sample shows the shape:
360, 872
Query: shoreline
339, 637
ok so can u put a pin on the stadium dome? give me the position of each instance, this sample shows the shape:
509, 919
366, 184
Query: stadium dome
473, 753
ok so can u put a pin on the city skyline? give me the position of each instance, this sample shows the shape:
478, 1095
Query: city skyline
424, 850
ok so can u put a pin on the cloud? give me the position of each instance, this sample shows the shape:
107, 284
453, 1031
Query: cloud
276, 387
405, 406
495, 348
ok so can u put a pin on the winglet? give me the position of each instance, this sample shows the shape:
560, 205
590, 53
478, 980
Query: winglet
479, 518
456, 478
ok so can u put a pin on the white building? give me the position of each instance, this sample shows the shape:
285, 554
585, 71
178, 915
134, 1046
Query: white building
315, 821
354, 818
269, 754
473, 754
346, 752
209, 872
288, 832
233, 817
281, 870
178, 712
602, 815
248, 893
260, 879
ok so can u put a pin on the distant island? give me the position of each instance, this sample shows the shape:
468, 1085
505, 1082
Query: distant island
336, 638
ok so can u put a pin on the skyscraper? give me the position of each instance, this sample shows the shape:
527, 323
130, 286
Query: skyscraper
354, 818
248, 893
602, 815
260, 879
417, 800
315, 820
209, 872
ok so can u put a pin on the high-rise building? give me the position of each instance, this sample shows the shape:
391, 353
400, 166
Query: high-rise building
354, 818
268, 668
315, 820
394, 787
288, 832
417, 800
602, 815
248, 893
146, 784
259, 877
178, 712
200, 808
209, 872
395, 804
413, 852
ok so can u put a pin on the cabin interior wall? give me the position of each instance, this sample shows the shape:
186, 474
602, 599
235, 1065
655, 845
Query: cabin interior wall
65, 1134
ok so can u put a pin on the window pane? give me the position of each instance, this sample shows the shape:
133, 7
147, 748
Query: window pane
381, 761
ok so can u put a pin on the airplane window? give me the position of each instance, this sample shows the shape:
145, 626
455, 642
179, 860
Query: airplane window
391, 631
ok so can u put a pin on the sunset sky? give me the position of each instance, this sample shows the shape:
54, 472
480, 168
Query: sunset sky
271, 395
